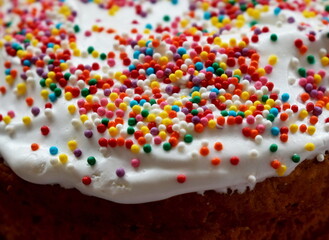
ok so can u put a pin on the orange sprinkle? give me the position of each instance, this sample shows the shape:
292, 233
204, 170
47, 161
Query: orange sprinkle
304, 97
29, 101
204, 151
121, 141
314, 120
284, 116
253, 133
215, 161
284, 137
221, 120
198, 128
285, 106
231, 120
218, 146
303, 49
303, 128
275, 164
141, 140
173, 141
34, 146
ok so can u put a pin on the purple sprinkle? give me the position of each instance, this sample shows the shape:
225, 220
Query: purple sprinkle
291, 20
212, 95
77, 153
35, 111
195, 119
120, 172
107, 92
88, 133
169, 89
317, 111
154, 131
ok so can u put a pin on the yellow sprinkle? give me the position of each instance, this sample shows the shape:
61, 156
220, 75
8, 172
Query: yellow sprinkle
184, 23
9, 79
173, 77
309, 147
325, 61
68, 96
163, 114
211, 123
44, 93
317, 78
196, 94
281, 170
111, 106
83, 118
270, 102
167, 121
311, 130
123, 106
6, 119
95, 54
63, 158
136, 109
151, 117
303, 114
179, 73
71, 108
245, 95
76, 52
114, 96
145, 130
154, 84
64, 66
72, 145
26, 120
113, 131
167, 108
163, 135
247, 113
135, 148
293, 128
232, 42
163, 60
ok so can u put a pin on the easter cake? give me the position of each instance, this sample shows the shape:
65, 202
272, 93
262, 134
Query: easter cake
197, 116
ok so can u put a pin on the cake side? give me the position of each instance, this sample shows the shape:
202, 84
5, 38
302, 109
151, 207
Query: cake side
291, 207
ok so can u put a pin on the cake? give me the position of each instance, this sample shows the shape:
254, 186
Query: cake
196, 116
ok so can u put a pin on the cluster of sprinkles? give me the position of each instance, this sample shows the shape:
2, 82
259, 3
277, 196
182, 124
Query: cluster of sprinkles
165, 100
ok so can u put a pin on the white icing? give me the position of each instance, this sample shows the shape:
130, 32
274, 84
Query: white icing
155, 177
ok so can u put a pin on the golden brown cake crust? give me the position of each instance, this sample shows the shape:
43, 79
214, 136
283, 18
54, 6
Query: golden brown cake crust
292, 207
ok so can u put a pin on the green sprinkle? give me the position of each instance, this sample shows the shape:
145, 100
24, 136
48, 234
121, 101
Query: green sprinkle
147, 148
270, 117
196, 99
224, 113
295, 158
92, 82
58, 92
42, 82
132, 121
326, 8
145, 113
90, 49
241, 114
274, 37
102, 56
85, 92
243, 7
188, 138
273, 147
302, 72
130, 130
166, 18
310, 59
67, 76
219, 71
52, 86
166, 146
105, 121
252, 23
194, 112
91, 160
264, 98
153, 101
76, 28
215, 65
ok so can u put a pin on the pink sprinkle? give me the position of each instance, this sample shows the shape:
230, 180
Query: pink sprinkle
135, 162
322, 73
111, 62
157, 140
302, 82
11, 114
87, 33
109, 114
117, 102
139, 117
82, 111
81, 103
104, 102
101, 111
120, 113
260, 128
250, 119
159, 74
204, 121
268, 69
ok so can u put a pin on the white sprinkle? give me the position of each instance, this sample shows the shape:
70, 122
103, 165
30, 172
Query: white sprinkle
252, 179
320, 157
253, 153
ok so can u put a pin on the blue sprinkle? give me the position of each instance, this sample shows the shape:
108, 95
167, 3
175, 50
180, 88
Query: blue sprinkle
274, 111
174, 2
149, 51
149, 26
232, 113
215, 90
210, 69
136, 54
53, 150
181, 51
275, 131
221, 18
131, 67
142, 102
175, 108
50, 45
149, 71
133, 103
277, 10
198, 66
285, 97
207, 15
7, 71
52, 97
27, 63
